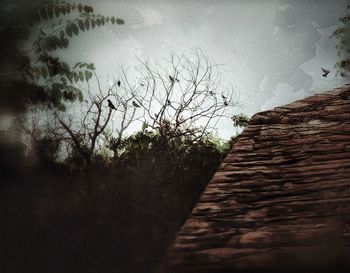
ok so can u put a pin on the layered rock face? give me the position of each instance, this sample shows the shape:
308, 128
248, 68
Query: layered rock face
280, 201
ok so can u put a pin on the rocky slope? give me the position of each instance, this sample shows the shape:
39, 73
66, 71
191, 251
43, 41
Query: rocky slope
280, 199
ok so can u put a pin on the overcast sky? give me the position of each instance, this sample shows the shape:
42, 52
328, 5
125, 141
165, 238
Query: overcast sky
273, 50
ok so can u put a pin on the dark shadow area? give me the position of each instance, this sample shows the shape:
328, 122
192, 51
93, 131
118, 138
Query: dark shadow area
97, 218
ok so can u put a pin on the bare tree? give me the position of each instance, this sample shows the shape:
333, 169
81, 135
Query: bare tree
184, 97
106, 114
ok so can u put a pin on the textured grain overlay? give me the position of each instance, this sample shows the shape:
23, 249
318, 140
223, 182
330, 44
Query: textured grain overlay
280, 199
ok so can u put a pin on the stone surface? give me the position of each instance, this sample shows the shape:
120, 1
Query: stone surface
280, 199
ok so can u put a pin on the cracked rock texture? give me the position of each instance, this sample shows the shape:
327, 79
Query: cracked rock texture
281, 198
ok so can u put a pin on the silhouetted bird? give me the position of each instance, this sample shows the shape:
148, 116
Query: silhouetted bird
142, 84
169, 102
135, 104
118, 83
111, 105
173, 79
325, 72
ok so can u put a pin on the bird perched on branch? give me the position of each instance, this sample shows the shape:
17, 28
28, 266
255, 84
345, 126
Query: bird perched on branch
118, 83
173, 79
111, 105
135, 104
325, 72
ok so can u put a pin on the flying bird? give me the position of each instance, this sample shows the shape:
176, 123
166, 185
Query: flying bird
118, 83
111, 105
325, 72
135, 104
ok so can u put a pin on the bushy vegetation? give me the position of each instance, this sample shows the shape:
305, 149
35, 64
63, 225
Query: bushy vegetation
81, 195
115, 213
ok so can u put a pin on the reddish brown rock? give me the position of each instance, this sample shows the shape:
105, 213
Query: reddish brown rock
281, 198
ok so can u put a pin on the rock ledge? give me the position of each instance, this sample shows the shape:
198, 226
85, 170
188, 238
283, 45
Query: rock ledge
280, 199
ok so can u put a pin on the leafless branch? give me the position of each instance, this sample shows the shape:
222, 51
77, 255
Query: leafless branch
185, 93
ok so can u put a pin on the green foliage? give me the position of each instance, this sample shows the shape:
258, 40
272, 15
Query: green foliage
59, 38
149, 150
342, 35
57, 23
173, 170
240, 120
157, 174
